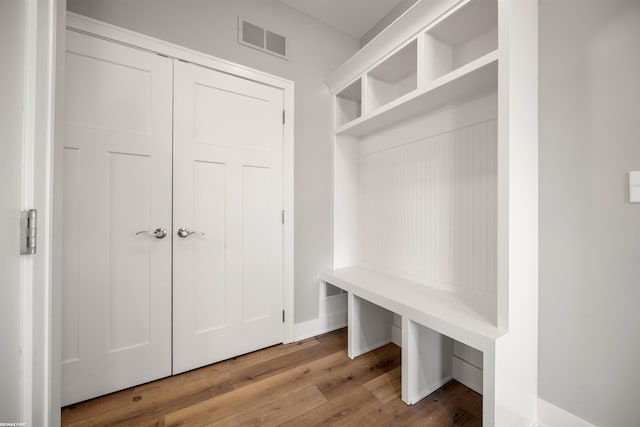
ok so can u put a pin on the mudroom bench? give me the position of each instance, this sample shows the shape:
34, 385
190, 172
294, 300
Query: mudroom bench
431, 319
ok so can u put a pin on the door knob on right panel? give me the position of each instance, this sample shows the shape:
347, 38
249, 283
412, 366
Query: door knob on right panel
185, 232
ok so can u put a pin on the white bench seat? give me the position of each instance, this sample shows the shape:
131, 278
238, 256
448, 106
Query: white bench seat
464, 317
427, 313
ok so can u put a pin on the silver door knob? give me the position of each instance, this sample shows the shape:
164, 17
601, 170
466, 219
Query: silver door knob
185, 232
158, 233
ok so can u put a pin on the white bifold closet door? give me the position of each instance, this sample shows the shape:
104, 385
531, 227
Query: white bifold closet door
116, 308
228, 274
150, 148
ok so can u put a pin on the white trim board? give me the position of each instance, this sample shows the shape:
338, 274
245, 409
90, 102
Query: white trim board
332, 311
466, 373
117, 34
550, 415
321, 325
40, 371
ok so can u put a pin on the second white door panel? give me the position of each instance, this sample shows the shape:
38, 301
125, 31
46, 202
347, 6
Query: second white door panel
227, 185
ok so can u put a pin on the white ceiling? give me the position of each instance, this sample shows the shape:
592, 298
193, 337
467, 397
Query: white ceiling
354, 17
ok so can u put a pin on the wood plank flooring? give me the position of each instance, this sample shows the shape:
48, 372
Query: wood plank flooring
308, 383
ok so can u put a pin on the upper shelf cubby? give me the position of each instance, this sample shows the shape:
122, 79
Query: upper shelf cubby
461, 37
392, 78
476, 78
349, 103
452, 58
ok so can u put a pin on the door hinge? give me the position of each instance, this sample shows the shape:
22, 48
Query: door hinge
283, 117
282, 316
283, 216
28, 232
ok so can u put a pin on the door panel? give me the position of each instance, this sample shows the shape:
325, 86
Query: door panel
129, 259
209, 211
228, 185
255, 224
117, 181
71, 255
96, 78
241, 107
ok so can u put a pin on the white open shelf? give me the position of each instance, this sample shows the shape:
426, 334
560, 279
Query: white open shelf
349, 103
463, 36
475, 78
454, 57
392, 78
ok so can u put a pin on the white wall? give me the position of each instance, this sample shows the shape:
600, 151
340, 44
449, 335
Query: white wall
589, 349
315, 50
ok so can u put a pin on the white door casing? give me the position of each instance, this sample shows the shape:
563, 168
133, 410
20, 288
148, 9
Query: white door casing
228, 184
13, 19
116, 313
28, 372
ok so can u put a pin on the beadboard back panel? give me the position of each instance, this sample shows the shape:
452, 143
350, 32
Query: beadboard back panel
428, 209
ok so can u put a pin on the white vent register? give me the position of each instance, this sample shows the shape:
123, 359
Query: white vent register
255, 36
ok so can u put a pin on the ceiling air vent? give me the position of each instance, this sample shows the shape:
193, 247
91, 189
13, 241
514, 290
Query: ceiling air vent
259, 38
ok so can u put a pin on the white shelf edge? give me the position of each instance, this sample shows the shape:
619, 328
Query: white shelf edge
366, 124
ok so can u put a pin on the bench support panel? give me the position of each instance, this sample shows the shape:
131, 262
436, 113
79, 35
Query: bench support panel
369, 326
426, 361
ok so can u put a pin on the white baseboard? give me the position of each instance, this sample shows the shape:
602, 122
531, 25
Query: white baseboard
321, 325
467, 374
550, 415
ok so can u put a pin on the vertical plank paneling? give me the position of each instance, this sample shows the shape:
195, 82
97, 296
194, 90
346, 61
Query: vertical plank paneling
429, 208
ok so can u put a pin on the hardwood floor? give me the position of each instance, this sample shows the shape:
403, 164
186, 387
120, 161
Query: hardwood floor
307, 383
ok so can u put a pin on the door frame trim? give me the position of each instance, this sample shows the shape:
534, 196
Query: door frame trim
41, 305
133, 39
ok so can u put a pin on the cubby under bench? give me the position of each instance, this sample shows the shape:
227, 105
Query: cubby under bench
431, 319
